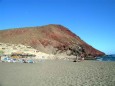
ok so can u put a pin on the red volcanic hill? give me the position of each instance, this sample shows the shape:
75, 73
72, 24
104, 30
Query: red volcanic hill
49, 39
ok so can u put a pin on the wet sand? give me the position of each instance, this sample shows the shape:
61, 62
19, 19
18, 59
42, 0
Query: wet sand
58, 73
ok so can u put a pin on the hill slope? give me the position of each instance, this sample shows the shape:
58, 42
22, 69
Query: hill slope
51, 38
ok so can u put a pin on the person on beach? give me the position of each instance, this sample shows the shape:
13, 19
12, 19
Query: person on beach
82, 59
24, 61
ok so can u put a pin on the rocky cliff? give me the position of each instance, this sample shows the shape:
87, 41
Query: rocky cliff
54, 39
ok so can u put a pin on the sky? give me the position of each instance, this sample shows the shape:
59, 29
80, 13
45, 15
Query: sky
92, 20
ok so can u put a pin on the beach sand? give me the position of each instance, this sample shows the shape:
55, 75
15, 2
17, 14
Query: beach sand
58, 73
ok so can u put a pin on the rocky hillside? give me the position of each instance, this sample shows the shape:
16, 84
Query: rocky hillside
10, 49
52, 39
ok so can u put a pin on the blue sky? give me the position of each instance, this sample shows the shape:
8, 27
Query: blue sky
92, 20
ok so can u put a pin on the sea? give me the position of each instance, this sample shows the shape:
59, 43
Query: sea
106, 58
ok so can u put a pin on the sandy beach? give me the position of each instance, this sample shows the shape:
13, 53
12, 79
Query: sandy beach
58, 73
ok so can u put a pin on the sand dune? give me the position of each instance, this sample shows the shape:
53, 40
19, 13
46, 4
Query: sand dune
58, 73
